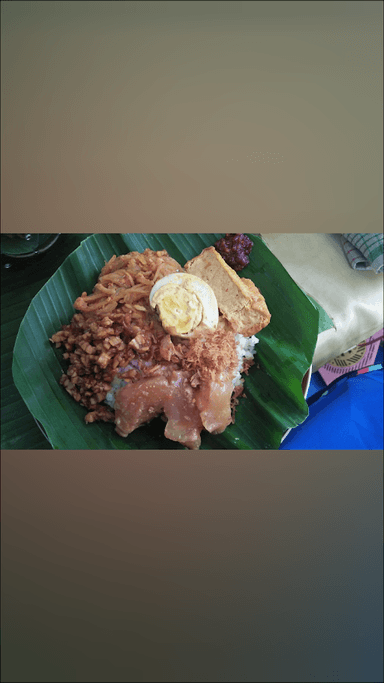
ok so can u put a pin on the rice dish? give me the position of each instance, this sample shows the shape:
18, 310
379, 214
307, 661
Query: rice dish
133, 356
245, 347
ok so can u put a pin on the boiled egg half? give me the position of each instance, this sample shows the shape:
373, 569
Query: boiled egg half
185, 304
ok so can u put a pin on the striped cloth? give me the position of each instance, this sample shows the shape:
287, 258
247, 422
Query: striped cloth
364, 250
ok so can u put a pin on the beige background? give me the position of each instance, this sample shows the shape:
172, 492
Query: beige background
191, 116
228, 566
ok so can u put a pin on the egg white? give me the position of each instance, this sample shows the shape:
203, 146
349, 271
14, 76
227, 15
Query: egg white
204, 293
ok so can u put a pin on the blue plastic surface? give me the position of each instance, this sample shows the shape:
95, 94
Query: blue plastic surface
349, 417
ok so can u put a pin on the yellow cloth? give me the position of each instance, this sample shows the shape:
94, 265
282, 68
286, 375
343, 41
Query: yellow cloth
352, 298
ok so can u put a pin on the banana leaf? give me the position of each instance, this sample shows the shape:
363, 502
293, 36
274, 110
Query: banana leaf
274, 400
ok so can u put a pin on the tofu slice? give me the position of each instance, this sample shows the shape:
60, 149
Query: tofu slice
238, 299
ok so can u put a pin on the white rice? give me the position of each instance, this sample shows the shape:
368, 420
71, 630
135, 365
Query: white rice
245, 351
116, 384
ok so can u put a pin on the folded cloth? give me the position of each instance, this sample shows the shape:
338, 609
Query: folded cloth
364, 250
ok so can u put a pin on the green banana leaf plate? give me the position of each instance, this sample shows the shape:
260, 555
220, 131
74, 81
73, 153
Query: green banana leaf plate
274, 400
